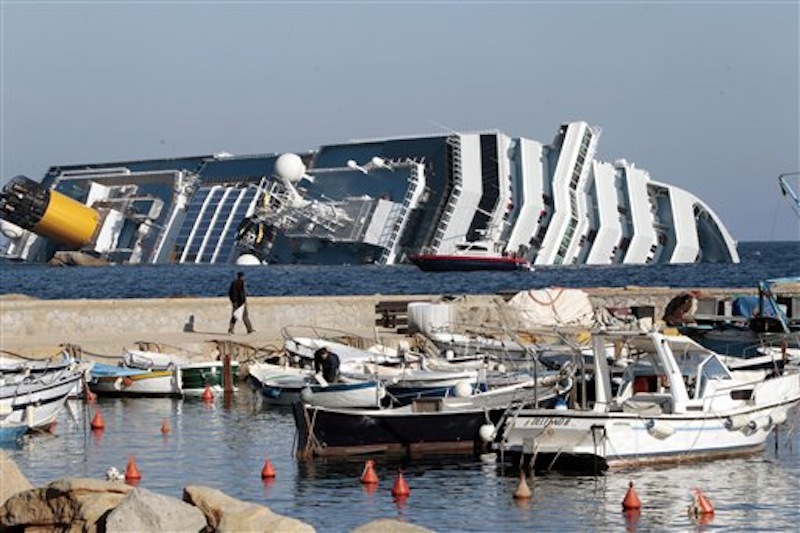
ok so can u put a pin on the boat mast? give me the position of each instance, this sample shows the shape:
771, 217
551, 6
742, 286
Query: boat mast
787, 190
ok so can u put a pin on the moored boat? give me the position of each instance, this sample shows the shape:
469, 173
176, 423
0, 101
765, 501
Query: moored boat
121, 380
286, 385
470, 256
35, 398
454, 424
153, 373
677, 401
10, 432
763, 331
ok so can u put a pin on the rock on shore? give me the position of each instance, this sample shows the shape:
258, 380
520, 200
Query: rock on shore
91, 505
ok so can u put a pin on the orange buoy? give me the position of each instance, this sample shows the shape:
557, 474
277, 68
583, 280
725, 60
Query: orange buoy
700, 504
400, 488
97, 422
132, 472
369, 477
207, 394
523, 492
165, 427
631, 500
268, 471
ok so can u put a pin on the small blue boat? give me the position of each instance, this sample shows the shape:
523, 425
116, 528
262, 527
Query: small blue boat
10, 432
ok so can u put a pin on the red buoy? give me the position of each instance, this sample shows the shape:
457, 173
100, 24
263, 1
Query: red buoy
97, 422
369, 477
700, 504
132, 472
268, 471
400, 488
207, 394
165, 427
631, 500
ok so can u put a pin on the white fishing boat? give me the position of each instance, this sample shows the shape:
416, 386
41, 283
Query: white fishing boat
302, 341
405, 384
34, 396
676, 402
285, 385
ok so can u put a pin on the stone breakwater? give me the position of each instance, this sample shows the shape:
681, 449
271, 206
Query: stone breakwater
91, 505
38, 327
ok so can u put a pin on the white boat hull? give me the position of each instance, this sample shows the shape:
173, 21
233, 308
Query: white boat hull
154, 383
345, 395
38, 403
617, 439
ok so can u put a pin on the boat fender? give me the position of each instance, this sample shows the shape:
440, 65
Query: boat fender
759, 423
118, 384
463, 389
306, 394
736, 422
486, 432
127, 382
659, 429
778, 417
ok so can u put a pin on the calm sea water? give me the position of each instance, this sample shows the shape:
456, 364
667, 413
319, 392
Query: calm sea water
225, 446
759, 260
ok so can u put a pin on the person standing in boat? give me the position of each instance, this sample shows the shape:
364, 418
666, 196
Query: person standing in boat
327, 363
237, 293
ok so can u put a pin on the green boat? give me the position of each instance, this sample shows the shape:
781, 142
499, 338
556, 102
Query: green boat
196, 376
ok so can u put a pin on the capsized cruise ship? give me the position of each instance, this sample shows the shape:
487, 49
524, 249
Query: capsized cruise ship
374, 201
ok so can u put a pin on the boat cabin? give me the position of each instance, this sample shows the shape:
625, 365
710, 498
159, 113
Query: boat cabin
667, 374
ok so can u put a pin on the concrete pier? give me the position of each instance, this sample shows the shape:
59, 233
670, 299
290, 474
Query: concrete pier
37, 328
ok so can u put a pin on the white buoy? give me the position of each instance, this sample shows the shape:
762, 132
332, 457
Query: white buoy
247, 260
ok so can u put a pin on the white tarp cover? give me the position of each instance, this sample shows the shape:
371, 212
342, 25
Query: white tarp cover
553, 306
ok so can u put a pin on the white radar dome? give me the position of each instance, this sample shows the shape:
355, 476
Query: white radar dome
12, 231
247, 260
290, 167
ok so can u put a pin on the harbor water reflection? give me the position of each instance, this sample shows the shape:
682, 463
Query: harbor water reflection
226, 447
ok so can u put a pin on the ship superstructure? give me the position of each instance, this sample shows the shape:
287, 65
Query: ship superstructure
370, 201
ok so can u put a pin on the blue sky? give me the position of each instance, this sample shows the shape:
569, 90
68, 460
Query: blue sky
704, 95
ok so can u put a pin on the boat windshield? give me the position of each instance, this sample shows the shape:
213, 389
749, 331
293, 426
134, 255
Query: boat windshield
472, 247
697, 367
711, 368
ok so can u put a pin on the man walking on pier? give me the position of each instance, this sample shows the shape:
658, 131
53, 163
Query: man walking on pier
238, 296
